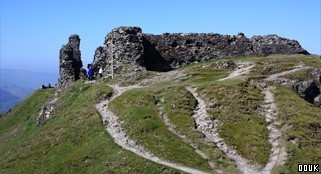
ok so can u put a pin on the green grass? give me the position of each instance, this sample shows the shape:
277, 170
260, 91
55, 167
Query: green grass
235, 105
278, 63
204, 74
142, 123
303, 122
72, 141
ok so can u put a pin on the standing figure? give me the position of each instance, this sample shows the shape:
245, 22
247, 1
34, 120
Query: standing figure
100, 72
90, 74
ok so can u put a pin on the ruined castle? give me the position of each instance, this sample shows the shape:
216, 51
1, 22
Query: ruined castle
128, 50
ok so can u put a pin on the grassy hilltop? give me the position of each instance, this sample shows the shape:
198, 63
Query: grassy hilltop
74, 139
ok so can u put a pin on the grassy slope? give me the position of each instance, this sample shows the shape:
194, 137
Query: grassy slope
75, 141
72, 141
303, 122
142, 123
235, 105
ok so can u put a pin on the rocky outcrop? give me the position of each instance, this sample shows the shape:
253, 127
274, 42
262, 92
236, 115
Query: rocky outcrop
70, 64
317, 101
309, 88
128, 50
46, 112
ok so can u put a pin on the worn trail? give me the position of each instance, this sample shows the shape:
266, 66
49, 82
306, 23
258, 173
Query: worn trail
243, 67
172, 129
113, 126
277, 76
209, 128
278, 152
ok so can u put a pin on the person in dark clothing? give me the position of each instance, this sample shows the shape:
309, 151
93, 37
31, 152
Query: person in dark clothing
90, 74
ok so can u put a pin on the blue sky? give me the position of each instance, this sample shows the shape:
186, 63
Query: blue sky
33, 31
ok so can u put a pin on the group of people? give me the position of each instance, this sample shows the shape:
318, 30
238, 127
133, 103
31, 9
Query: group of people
91, 72
45, 87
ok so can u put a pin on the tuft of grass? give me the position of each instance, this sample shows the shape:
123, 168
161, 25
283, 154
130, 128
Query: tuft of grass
235, 105
278, 63
143, 124
132, 79
204, 74
303, 129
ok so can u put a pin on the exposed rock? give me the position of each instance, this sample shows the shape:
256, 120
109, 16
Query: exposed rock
227, 64
317, 101
308, 90
46, 112
128, 50
316, 76
100, 60
70, 68
83, 74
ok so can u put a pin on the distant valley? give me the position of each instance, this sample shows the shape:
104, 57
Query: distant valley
16, 85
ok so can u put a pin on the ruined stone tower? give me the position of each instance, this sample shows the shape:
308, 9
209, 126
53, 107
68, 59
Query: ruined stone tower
123, 52
70, 64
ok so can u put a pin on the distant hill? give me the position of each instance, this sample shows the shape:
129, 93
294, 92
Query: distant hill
16, 85
12, 95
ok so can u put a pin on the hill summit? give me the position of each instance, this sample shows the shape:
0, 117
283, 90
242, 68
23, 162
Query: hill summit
128, 50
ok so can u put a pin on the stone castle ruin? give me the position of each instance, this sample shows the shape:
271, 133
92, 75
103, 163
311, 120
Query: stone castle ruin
128, 50
70, 68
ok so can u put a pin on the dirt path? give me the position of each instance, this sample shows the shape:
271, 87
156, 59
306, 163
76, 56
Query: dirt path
278, 153
113, 126
243, 67
209, 128
277, 76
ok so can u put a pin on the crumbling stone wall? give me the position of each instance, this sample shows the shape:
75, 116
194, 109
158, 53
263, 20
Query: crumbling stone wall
70, 64
128, 50
182, 49
273, 44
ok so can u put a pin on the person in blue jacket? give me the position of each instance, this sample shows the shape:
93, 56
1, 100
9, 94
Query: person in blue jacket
90, 74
